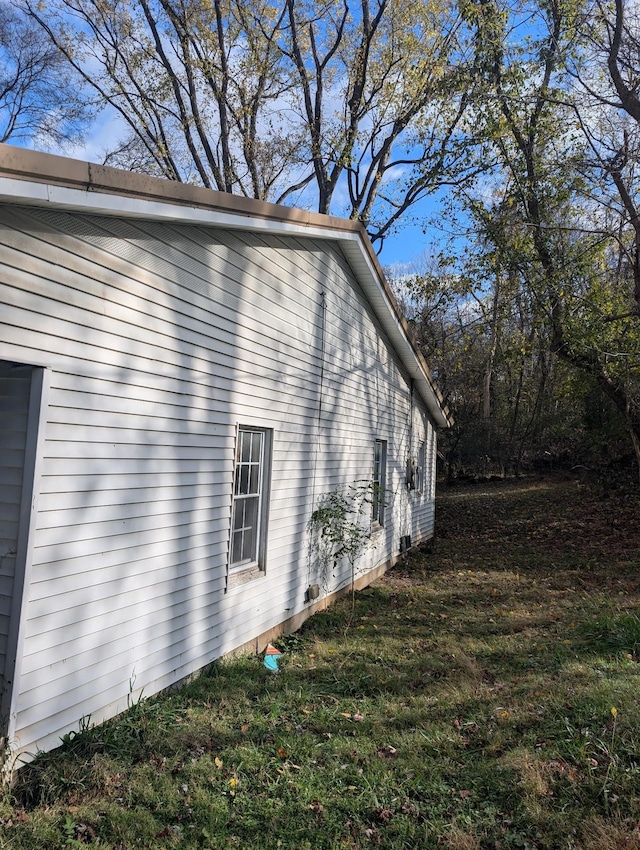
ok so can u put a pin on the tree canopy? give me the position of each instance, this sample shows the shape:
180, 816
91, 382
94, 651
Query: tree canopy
551, 284
527, 111
352, 106
39, 100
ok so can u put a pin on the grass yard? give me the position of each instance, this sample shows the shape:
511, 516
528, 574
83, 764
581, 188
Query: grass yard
484, 694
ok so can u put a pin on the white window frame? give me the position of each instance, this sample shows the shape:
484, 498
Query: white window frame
379, 482
421, 465
251, 484
430, 463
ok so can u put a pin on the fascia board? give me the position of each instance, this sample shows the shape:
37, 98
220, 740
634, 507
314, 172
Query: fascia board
29, 192
371, 282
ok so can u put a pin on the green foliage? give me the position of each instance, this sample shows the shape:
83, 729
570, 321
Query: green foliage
542, 286
614, 633
340, 527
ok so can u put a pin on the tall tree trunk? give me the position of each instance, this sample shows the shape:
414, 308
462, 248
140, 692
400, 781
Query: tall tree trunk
488, 373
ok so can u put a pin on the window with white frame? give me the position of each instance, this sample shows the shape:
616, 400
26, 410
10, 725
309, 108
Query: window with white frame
250, 498
420, 467
430, 463
379, 481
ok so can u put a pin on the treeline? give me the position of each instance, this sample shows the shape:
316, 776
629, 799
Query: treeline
518, 408
531, 318
522, 114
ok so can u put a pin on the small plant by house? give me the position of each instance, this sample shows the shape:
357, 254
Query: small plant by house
341, 528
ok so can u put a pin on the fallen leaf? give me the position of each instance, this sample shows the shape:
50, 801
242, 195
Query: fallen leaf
282, 753
218, 762
165, 833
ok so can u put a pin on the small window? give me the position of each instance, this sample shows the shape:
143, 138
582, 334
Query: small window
250, 489
379, 481
420, 467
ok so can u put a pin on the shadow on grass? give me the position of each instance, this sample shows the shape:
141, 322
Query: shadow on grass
455, 694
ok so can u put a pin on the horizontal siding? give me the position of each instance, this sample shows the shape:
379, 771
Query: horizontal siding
161, 339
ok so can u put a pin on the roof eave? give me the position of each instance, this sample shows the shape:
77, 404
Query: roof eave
33, 178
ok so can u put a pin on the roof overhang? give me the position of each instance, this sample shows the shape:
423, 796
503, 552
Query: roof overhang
43, 180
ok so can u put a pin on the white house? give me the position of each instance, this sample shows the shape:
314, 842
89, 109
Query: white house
184, 375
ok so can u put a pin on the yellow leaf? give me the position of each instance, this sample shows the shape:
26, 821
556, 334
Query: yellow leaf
218, 762
614, 711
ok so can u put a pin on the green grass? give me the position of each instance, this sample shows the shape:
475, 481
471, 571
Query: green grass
482, 695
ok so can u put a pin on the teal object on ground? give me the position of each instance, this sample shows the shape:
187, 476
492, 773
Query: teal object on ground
271, 658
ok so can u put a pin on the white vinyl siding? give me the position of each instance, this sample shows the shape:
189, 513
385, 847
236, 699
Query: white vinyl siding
160, 339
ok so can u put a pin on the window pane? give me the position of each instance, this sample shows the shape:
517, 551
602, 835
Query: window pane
245, 441
256, 447
244, 480
254, 478
238, 515
244, 544
236, 547
250, 549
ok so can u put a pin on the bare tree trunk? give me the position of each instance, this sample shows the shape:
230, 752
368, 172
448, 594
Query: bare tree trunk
488, 374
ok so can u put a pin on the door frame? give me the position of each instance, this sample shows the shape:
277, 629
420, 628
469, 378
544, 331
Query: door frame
36, 419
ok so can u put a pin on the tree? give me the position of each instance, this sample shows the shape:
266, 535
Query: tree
489, 352
38, 96
279, 99
200, 86
383, 88
564, 248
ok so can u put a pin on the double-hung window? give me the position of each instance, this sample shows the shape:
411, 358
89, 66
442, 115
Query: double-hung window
379, 481
250, 498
